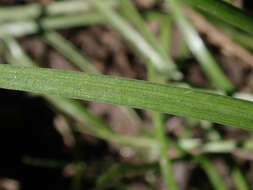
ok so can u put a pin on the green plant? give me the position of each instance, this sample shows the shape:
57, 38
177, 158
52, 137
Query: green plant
61, 87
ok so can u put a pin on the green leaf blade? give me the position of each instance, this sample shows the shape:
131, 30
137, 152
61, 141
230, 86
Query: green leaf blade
149, 53
133, 93
207, 62
225, 12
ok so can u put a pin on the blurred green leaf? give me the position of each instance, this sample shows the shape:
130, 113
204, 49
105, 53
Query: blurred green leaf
226, 12
149, 53
199, 50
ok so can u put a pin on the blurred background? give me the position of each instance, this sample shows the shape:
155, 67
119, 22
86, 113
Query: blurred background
42, 146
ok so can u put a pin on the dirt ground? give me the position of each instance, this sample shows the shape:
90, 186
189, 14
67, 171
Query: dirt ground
29, 124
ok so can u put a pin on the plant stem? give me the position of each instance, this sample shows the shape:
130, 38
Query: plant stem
165, 162
211, 172
158, 122
239, 179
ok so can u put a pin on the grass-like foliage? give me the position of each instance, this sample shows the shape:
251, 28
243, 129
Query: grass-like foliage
133, 93
160, 93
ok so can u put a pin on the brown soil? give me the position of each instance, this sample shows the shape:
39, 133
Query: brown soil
28, 122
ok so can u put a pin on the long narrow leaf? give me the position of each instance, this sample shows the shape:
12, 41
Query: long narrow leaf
80, 113
136, 39
67, 49
239, 179
225, 12
196, 45
133, 93
26, 27
211, 172
131, 13
35, 10
19, 12
90, 123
